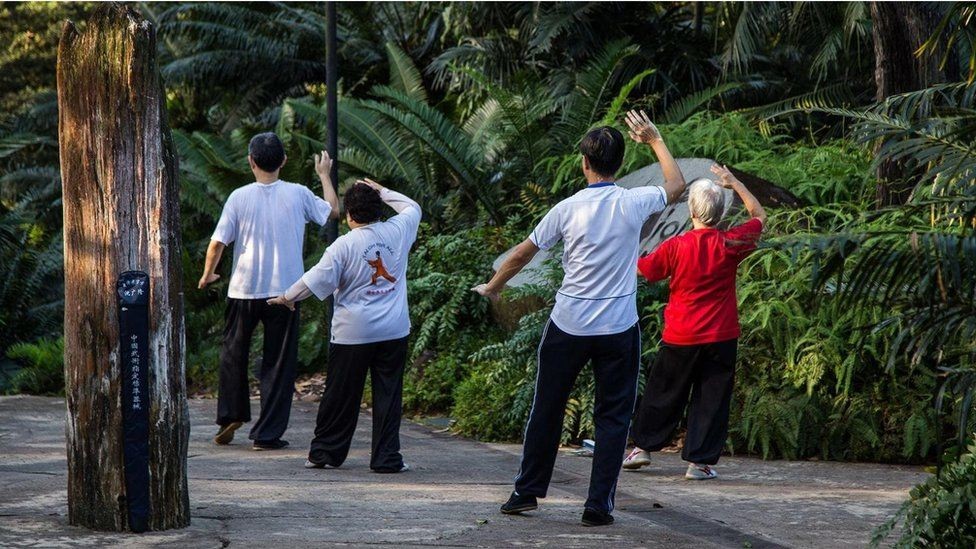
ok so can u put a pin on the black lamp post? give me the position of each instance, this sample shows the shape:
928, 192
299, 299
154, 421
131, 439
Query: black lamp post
331, 126
331, 107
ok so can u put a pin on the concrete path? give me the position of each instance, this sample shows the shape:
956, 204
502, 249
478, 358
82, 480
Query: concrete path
450, 498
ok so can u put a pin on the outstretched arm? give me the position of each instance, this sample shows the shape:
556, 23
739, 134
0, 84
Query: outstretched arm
642, 130
323, 167
730, 181
515, 262
320, 281
296, 293
214, 251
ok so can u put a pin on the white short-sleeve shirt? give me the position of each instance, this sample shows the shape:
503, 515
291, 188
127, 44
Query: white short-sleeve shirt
266, 224
600, 228
366, 268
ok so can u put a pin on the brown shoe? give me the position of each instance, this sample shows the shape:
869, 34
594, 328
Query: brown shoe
226, 433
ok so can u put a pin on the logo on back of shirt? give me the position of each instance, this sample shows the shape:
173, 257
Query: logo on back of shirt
373, 255
379, 270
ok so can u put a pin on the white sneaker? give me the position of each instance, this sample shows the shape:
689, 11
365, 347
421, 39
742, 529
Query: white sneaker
700, 471
309, 464
637, 458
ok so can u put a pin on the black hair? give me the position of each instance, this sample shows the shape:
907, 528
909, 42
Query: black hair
267, 151
363, 204
604, 149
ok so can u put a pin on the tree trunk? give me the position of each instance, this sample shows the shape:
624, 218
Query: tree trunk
121, 212
899, 29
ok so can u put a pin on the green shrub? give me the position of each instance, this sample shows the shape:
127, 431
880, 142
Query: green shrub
484, 402
811, 381
430, 380
449, 321
494, 402
940, 512
442, 270
42, 371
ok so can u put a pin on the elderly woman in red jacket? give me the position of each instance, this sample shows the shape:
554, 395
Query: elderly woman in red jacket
701, 327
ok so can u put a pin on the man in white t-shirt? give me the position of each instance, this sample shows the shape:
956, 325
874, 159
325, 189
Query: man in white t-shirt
595, 315
265, 221
366, 270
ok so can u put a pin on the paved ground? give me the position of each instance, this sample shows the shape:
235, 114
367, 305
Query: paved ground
450, 498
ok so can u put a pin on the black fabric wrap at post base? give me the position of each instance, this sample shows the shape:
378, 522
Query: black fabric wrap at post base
133, 294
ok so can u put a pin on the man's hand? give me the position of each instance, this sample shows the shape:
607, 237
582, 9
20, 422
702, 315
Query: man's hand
280, 300
484, 290
370, 183
323, 164
207, 279
642, 130
323, 168
725, 177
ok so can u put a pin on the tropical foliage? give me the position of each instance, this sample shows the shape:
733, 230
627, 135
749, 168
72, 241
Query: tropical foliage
940, 512
858, 321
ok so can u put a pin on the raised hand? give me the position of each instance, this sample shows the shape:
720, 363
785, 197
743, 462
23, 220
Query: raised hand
370, 183
323, 164
725, 177
280, 300
642, 130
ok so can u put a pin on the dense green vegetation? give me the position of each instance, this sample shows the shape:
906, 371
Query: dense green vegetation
858, 316
940, 511
858, 320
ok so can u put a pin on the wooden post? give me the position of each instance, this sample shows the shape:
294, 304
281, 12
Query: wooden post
121, 212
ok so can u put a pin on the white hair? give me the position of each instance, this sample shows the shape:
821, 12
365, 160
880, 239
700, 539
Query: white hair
706, 201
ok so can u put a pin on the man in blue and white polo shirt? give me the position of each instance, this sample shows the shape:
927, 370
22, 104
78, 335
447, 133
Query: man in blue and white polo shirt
595, 316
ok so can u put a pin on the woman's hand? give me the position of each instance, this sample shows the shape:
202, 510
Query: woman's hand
725, 177
370, 183
280, 300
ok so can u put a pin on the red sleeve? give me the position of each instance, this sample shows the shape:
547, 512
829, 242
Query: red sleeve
742, 239
657, 264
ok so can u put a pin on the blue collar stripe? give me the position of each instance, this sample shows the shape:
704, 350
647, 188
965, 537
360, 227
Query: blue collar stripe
601, 184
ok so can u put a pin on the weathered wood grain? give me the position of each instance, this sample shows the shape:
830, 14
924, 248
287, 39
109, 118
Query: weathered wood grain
121, 212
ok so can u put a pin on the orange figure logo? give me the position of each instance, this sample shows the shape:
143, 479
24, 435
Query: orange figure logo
379, 270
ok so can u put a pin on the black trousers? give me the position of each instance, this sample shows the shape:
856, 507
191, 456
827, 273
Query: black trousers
339, 409
616, 364
707, 371
277, 375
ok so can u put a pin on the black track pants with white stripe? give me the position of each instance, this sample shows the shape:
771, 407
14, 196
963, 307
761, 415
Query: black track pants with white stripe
616, 364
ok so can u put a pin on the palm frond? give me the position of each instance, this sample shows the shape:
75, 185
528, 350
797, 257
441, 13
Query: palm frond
441, 136
682, 109
404, 75
594, 85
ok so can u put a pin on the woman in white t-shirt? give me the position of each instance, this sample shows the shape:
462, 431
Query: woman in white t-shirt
365, 269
